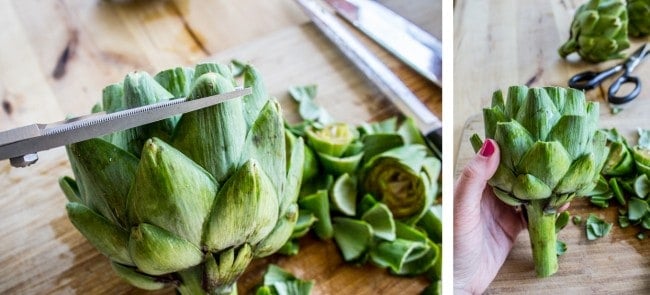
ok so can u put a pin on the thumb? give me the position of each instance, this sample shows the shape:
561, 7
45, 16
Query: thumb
473, 179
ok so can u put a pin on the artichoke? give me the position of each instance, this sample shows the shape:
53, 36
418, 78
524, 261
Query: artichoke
187, 201
551, 151
639, 15
598, 31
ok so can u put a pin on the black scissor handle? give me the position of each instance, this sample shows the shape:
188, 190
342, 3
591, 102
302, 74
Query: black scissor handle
612, 95
589, 80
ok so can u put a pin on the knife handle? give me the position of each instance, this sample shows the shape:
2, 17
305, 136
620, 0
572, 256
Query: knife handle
434, 138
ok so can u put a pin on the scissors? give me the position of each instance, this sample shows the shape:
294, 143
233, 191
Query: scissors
590, 79
20, 145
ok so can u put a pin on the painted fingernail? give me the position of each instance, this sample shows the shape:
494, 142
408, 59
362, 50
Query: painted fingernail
487, 149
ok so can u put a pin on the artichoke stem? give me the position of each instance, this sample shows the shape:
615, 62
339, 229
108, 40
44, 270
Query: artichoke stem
191, 282
541, 229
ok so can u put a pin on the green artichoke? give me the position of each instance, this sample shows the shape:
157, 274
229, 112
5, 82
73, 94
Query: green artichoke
551, 151
187, 201
639, 14
598, 31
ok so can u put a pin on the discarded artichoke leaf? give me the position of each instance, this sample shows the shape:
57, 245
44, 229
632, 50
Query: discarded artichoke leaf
344, 195
596, 227
280, 282
641, 236
305, 220
410, 132
637, 208
375, 144
332, 139
623, 221
431, 223
352, 236
642, 186
381, 220
641, 154
560, 248
645, 222
644, 137
337, 166
394, 254
576, 219
561, 221
616, 191
318, 204
308, 110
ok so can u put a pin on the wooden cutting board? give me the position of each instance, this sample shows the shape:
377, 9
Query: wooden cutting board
90, 44
618, 263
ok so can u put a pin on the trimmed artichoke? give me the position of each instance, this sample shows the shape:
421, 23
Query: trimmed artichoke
639, 14
598, 31
187, 201
551, 151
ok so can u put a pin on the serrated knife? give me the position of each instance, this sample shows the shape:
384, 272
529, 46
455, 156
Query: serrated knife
414, 46
376, 71
21, 144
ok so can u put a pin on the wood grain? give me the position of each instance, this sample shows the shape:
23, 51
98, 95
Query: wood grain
58, 55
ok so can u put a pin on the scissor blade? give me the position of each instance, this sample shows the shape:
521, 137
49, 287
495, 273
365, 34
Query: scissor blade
29, 140
406, 41
387, 82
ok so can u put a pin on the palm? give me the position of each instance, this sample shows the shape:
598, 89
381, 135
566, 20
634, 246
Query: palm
487, 235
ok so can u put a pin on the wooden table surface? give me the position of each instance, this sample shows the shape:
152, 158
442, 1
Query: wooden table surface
499, 43
55, 58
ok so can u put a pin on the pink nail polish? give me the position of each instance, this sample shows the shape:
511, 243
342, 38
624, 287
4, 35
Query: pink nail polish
487, 149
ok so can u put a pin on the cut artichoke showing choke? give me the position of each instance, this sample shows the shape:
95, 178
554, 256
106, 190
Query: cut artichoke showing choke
599, 31
551, 151
188, 201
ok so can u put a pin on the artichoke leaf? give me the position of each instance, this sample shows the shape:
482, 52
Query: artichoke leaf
171, 191
136, 278
108, 238
176, 80
352, 236
156, 251
104, 174
213, 137
265, 142
245, 210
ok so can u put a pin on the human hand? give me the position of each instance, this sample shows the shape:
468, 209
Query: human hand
485, 228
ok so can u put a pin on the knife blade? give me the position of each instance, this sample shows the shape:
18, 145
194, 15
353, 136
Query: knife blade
373, 68
21, 144
406, 41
